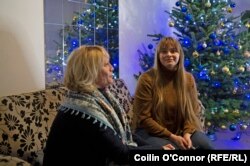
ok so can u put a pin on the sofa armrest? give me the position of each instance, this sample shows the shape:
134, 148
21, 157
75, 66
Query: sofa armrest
12, 161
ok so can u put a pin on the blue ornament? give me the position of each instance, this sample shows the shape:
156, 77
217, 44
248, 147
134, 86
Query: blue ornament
186, 42
216, 84
83, 14
200, 67
187, 62
224, 43
188, 17
237, 136
49, 70
92, 15
236, 46
232, 127
217, 42
211, 136
183, 9
115, 7
74, 43
232, 5
247, 96
212, 35
178, 3
236, 81
150, 46
80, 22
226, 50
200, 47
56, 68
203, 75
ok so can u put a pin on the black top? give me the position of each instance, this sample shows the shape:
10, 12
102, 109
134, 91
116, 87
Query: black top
74, 140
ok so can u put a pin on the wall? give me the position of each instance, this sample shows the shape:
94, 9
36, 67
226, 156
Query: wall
136, 20
21, 46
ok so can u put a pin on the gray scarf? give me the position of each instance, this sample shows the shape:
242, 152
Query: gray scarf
103, 107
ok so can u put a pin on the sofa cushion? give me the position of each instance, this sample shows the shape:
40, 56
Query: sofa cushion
25, 122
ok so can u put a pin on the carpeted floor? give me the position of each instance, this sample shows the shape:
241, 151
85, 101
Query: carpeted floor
227, 140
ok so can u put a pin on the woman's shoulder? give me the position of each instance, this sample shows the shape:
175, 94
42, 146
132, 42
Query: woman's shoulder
190, 78
148, 75
189, 75
147, 78
73, 118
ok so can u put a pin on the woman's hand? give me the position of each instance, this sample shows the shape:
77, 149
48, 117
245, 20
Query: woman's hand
180, 141
168, 147
188, 140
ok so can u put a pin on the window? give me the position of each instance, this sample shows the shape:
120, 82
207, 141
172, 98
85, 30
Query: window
71, 23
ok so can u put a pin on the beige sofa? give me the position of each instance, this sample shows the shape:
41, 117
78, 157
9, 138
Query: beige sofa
25, 122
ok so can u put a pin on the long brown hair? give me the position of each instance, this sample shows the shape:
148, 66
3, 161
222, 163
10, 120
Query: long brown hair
185, 110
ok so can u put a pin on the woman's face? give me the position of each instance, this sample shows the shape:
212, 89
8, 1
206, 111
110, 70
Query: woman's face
169, 58
105, 77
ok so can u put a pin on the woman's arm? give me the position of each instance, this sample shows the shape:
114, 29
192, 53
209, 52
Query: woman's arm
116, 150
194, 95
143, 106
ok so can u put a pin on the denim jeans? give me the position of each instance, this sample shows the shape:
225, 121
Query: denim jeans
199, 140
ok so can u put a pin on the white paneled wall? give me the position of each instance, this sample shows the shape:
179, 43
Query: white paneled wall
21, 46
136, 20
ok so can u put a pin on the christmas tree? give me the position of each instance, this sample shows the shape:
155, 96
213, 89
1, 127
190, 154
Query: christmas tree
217, 53
95, 24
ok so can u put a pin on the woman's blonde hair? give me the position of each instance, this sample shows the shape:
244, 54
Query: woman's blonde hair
83, 66
185, 110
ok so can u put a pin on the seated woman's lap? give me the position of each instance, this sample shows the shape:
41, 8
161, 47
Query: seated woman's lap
199, 140
154, 140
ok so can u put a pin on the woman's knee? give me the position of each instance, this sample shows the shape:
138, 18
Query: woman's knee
201, 141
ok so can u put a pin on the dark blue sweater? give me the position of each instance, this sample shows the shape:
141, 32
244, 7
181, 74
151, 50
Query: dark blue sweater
74, 140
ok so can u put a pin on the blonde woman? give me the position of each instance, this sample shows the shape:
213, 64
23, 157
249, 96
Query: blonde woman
166, 101
90, 126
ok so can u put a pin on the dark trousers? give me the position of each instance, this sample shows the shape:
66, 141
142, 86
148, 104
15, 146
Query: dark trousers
199, 140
